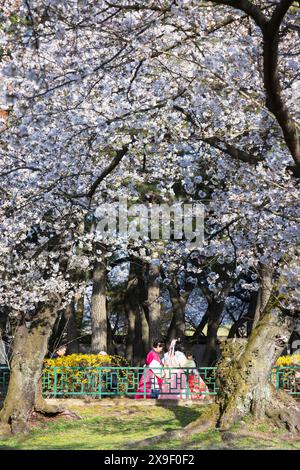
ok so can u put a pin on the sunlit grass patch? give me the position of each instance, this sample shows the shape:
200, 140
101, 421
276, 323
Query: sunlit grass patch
112, 428
104, 427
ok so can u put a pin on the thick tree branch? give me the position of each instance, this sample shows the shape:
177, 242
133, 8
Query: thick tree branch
274, 102
278, 15
234, 152
274, 99
115, 162
90, 192
244, 5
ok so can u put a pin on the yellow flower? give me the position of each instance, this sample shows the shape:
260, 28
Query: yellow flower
288, 360
79, 362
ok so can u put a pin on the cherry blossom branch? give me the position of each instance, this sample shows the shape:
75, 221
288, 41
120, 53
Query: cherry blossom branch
115, 162
25, 167
90, 192
274, 102
219, 144
247, 7
137, 7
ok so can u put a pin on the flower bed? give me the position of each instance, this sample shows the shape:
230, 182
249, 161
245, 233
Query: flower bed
288, 360
84, 374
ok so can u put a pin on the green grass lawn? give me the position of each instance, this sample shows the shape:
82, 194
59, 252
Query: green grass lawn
112, 428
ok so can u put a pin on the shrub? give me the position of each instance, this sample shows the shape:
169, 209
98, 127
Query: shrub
76, 374
288, 360
86, 360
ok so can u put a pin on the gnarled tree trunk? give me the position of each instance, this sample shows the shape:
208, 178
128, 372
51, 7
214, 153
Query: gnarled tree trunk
24, 389
244, 372
264, 292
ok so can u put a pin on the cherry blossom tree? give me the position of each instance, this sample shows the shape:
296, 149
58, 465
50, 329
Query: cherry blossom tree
196, 99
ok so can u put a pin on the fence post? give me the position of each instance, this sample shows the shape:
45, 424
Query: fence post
187, 371
277, 378
55, 382
100, 383
144, 372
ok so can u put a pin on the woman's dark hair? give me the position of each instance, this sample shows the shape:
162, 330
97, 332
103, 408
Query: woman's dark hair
157, 343
178, 347
189, 353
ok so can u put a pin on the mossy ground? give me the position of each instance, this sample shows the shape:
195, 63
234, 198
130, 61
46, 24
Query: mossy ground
112, 428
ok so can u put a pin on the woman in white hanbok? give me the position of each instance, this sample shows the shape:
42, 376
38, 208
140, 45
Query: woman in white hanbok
174, 386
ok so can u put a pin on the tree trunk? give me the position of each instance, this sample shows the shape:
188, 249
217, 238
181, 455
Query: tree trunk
3, 356
264, 292
3, 352
141, 335
198, 331
57, 333
138, 353
153, 301
258, 302
24, 390
136, 348
71, 327
243, 376
98, 309
79, 312
145, 333
110, 339
66, 329
138, 329
251, 311
214, 313
245, 319
131, 314
177, 326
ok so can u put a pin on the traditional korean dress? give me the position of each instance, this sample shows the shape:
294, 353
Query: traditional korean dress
175, 385
196, 384
152, 380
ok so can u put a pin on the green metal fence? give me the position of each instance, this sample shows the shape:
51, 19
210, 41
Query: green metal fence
126, 381
99, 382
287, 378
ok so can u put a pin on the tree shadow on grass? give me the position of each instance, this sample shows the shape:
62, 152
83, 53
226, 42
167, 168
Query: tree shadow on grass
94, 433
183, 414
105, 431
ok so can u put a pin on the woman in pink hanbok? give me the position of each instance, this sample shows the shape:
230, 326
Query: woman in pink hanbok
151, 381
174, 386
